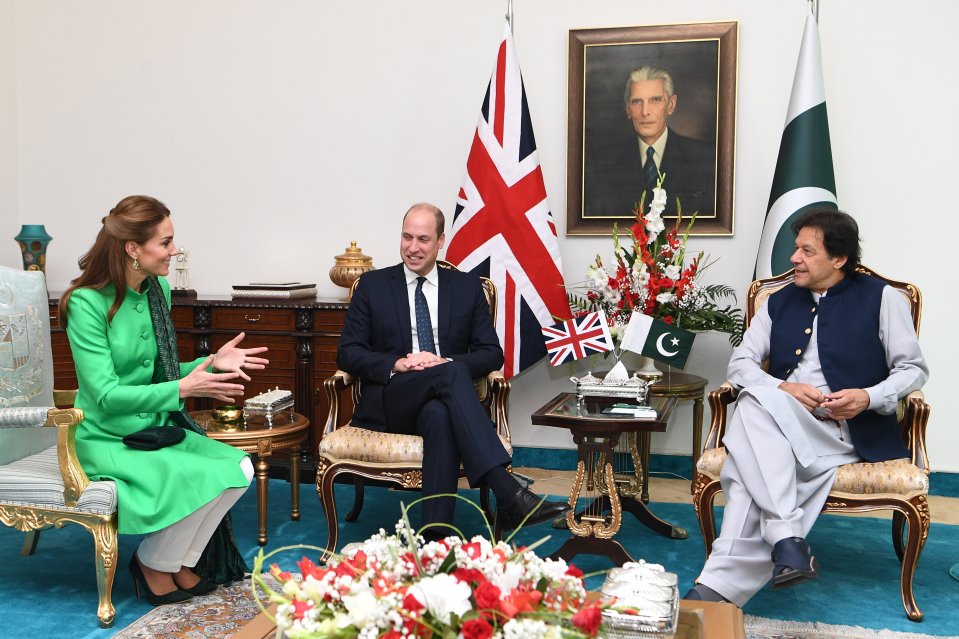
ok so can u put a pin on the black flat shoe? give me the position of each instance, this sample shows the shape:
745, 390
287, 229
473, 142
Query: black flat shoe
139, 581
526, 504
794, 563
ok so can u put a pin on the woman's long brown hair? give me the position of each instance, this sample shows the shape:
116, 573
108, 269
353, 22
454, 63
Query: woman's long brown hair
133, 219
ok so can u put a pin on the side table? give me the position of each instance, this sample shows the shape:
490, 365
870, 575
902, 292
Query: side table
596, 434
682, 386
288, 435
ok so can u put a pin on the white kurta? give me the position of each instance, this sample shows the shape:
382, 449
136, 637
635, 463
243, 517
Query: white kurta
781, 466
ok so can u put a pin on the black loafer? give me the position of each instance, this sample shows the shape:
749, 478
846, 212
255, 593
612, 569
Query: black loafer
529, 507
699, 592
794, 563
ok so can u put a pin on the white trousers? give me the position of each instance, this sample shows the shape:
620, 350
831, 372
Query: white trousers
780, 467
181, 543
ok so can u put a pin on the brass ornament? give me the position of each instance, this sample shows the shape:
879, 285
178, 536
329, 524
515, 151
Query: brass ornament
348, 267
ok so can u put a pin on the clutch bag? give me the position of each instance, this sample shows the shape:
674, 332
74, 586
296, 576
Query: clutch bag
155, 437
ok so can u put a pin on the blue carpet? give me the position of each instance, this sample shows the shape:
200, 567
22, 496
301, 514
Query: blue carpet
53, 593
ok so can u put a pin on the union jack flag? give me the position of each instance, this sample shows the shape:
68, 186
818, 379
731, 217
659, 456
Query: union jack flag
502, 227
577, 338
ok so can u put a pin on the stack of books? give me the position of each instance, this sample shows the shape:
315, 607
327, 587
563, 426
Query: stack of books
274, 290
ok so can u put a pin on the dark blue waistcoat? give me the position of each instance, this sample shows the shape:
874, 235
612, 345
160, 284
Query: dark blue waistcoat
850, 351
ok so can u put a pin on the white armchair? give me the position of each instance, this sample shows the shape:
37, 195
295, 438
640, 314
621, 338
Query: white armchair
41, 482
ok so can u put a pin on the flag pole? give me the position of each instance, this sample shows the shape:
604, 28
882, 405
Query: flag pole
814, 7
509, 13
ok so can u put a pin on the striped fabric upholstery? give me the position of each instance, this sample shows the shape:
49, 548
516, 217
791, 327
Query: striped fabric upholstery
35, 481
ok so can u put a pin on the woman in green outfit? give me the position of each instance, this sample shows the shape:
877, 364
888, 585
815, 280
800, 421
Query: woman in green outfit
117, 316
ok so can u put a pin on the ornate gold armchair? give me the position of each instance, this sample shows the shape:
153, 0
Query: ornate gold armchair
389, 457
900, 485
41, 482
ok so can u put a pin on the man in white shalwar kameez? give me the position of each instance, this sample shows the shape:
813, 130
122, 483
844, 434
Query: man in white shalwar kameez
842, 351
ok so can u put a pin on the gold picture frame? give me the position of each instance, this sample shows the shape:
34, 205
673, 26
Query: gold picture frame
701, 58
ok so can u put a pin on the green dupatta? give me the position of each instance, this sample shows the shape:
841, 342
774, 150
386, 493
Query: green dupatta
221, 561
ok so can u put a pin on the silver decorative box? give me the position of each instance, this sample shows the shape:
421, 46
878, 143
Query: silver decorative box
645, 599
267, 405
616, 383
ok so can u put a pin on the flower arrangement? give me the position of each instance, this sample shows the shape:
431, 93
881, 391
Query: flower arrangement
397, 586
648, 273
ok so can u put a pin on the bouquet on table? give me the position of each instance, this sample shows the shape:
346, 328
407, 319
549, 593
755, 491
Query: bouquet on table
648, 273
397, 586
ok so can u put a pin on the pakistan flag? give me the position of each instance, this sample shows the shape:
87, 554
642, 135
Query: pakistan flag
653, 338
804, 175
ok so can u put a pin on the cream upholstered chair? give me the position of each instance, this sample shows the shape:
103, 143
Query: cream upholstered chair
389, 457
900, 485
41, 482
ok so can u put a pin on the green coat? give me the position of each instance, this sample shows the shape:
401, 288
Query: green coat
116, 364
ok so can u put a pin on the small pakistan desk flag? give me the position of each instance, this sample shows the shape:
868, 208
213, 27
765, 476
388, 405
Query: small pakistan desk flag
657, 339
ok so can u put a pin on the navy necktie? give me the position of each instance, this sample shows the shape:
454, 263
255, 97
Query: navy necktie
650, 173
424, 326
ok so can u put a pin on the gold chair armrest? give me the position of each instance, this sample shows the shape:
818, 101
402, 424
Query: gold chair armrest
499, 388
333, 386
75, 480
64, 398
913, 415
719, 400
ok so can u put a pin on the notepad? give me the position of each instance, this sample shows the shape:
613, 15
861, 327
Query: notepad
631, 410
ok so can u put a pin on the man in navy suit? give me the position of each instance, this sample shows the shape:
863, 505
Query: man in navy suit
417, 336
617, 176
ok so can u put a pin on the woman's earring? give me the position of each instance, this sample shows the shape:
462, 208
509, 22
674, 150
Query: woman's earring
136, 264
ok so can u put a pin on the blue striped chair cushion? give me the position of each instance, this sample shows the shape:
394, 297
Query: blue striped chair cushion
35, 481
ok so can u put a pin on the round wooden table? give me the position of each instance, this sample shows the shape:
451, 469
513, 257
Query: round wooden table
288, 434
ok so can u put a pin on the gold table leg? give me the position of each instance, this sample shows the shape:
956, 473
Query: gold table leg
295, 484
262, 490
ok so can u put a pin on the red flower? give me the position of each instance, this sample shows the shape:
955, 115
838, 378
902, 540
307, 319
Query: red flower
476, 629
467, 575
519, 601
587, 620
668, 319
300, 608
308, 568
487, 596
573, 571
411, 604
473, 550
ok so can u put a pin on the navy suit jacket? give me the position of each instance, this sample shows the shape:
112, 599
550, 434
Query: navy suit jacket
378, 332
614, 177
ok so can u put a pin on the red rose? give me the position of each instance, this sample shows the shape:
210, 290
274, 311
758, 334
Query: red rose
476, 629
668, 319
573, 571
587, 620
487, 596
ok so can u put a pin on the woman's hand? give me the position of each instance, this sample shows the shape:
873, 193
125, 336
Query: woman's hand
200, 383
232, 359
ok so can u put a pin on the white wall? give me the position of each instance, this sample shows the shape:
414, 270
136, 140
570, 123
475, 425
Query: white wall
279, 132
9, 213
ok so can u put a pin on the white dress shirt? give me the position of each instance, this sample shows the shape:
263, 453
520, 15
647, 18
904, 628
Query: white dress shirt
431, 292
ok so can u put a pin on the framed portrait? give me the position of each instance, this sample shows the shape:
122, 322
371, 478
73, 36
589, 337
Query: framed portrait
663, 92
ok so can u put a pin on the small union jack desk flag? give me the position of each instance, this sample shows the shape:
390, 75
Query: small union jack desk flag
577, 338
